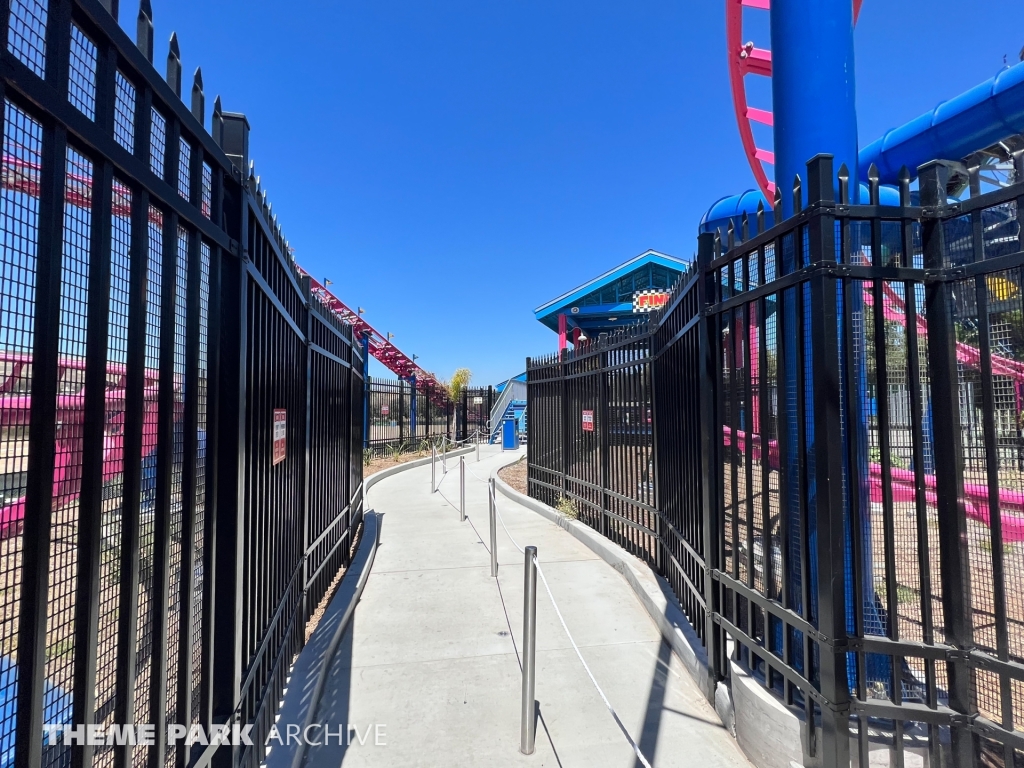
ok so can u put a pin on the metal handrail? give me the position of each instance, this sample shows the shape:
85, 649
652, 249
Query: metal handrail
503, 402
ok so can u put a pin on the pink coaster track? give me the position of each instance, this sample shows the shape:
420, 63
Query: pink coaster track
976, 500
21, 175
747, 59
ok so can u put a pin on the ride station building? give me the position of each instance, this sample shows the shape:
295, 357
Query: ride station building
620, 297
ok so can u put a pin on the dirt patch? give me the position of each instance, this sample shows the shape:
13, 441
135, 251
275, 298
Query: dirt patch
515, 475
377, 463
321, 608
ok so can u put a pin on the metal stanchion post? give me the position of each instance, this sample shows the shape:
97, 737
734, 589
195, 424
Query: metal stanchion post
478, 445
444, 455
492, 511
462, 489
528, 726
433, 469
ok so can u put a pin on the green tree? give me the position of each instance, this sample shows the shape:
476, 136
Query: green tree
458, 383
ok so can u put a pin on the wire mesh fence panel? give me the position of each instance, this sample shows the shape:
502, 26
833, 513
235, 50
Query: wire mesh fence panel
156, 393
835, 464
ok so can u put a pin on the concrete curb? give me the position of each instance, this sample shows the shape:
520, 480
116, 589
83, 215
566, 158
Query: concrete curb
376, 477
309, 673
770, 734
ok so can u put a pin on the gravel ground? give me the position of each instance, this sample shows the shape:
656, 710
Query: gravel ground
383, 462
515, 475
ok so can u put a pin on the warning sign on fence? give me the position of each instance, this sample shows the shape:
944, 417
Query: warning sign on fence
588, 421
280, 432
384, 410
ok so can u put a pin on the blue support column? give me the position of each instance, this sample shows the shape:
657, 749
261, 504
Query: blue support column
813, 95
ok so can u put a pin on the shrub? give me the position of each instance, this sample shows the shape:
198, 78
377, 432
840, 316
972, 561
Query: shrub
567, 507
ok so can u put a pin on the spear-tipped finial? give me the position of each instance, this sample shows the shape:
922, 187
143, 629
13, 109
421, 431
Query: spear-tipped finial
144, 30
974, 177
798, 197
744, 228
904, 180
844, 184
198, 97
111, 7
217, 123
174, 65
732, 235
873, 195
760, 216
777, 205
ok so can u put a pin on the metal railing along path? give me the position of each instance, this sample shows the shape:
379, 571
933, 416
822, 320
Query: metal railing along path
532, 569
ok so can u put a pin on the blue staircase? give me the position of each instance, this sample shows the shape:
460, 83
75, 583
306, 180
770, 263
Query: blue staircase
511, 404
515, 409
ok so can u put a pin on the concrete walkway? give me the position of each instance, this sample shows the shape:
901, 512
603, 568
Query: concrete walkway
431, 655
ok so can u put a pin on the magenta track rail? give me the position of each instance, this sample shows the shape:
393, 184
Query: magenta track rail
20, 175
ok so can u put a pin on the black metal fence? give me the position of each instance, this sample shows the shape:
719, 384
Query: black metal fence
180, 424
392, 420
474, 412
836, 406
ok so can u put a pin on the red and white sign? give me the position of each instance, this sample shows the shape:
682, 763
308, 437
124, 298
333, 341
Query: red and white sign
649, 300
384, 410
588, 421
280, 433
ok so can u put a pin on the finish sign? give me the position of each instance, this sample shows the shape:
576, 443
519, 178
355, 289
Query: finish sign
588, 421
649, 300
280, 432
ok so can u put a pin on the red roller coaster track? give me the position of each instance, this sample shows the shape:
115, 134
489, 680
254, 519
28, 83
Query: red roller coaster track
747, 59
22, 175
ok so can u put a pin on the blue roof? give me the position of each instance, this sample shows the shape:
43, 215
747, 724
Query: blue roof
548, 313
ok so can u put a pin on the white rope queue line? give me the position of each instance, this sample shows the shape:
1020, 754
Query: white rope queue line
586, 667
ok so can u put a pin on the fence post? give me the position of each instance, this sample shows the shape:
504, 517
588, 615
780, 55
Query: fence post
562, 361
232, 393
603, 429
366, 389
490, 426
828, 474
462, 489
42, 430
528, 722
949, 466
412, 408
709, 441
492, 514
465, 417
401, 408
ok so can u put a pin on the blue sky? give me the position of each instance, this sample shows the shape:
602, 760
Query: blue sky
452, 165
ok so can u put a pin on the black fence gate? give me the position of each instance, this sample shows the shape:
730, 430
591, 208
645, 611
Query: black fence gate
836, 410
474, 412
181, 422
